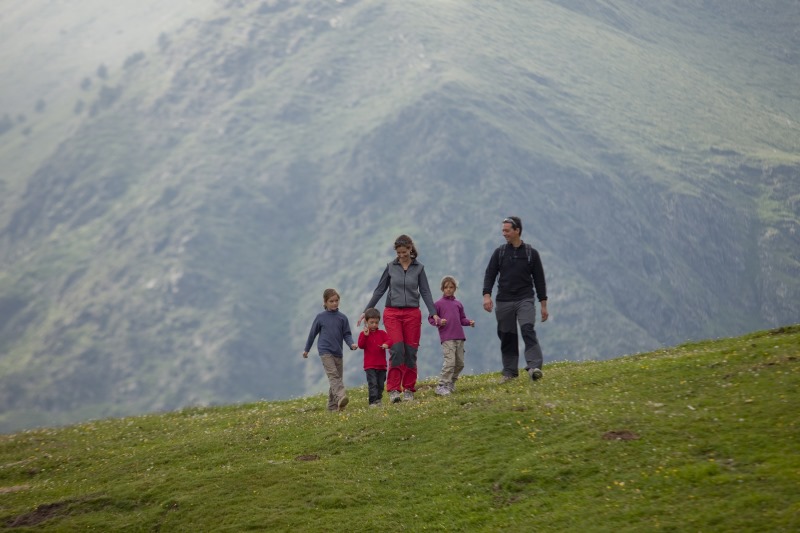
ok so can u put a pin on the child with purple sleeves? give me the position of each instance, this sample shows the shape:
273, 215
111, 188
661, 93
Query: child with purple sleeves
450, 321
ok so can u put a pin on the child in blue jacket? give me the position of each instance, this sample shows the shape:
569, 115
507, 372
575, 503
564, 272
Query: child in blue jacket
333, 329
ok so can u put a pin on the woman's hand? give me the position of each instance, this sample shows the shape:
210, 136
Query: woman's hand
360, 320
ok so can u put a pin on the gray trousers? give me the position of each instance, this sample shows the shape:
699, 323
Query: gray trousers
508, 314
334, 369
453, 352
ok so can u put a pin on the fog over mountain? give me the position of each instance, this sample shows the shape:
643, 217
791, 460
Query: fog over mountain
180, 181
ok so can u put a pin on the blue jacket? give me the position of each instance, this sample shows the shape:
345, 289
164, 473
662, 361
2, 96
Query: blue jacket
333, 329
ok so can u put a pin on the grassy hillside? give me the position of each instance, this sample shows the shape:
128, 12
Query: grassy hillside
700, 437
167, 229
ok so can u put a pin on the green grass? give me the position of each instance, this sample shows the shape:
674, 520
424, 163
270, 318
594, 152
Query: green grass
713, 446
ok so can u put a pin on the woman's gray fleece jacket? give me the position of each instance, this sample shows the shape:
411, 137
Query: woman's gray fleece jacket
404, 286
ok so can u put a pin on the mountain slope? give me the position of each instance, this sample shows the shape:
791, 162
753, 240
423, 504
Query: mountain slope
166, 235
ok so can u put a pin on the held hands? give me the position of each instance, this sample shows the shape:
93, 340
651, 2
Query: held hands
442, 322
354, 346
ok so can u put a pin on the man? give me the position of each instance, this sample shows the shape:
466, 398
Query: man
521, 281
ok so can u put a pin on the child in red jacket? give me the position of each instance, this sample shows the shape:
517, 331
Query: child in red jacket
374, 342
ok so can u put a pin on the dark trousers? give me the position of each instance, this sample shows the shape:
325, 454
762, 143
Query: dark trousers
509, 314
375, 382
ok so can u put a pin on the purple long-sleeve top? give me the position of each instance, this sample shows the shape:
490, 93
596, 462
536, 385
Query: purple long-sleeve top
449, 308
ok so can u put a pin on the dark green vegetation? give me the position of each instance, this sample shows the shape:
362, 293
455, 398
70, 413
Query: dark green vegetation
701, 437
167, 229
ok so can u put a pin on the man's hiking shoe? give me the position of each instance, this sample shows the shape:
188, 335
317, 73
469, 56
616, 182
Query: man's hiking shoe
452, 386
442, 390
535, 373
343, 401
408, 395
376, 403
505, 379
394, 396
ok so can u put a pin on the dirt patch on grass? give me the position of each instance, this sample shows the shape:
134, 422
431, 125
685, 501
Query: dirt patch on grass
310, 457
63, 508
620, 435
40, 514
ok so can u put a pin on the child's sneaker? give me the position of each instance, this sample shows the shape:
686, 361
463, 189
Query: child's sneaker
408, 395
394, 396
442, 390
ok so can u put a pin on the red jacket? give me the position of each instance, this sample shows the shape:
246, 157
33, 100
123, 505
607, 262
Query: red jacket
374, 355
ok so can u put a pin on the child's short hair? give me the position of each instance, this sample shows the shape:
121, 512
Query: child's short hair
327, 295
449, 279
372, 313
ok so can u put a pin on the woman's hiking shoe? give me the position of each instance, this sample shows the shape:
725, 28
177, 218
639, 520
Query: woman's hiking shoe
535, 373
343, 401
394, 396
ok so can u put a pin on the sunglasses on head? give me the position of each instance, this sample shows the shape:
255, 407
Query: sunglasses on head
511, 221
402, 242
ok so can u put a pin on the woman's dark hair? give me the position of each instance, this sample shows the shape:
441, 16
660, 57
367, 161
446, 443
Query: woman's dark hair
405, 241
372, 313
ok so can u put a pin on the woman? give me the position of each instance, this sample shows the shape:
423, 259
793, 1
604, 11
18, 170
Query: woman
406, 281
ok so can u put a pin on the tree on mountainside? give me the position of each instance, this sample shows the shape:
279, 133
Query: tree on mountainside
133, 59
6, 123
163, 42
106, 97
